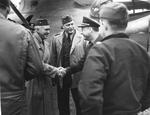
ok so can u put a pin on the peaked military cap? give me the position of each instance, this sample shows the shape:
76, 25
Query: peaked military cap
5, 2
41, 22
87, 22
114, 11
66, 19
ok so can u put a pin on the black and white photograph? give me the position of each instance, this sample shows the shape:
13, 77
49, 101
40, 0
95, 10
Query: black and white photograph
74, 57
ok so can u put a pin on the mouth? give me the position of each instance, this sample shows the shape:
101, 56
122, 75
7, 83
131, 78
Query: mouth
46, 34
70, 30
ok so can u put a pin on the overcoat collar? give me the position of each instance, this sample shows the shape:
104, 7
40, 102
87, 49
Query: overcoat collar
118, 35
76, 39
37, 36
39, 42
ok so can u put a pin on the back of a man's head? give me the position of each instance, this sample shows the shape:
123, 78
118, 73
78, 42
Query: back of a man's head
116, 14
4, 4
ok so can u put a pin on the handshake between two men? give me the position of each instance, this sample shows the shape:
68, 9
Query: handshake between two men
52, 71
56, 73
61, 72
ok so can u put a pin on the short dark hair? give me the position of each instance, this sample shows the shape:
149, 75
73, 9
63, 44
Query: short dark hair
4, 4
120, 24
3, 7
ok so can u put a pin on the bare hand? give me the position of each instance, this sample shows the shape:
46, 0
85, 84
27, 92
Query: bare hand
61, 71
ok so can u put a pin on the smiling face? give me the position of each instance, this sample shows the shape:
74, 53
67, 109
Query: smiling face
43, 30
69, 27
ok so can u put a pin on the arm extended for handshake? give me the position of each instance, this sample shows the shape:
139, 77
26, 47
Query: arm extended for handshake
52, 71
56, 73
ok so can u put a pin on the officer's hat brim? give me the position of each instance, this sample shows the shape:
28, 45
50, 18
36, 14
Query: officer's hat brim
83, 25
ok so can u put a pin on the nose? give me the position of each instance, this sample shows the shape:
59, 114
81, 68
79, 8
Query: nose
71, 26
48, 31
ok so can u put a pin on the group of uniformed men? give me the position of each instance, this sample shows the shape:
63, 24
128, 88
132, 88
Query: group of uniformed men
115, 77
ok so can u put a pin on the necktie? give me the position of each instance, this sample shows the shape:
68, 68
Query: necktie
90, 44
69, 38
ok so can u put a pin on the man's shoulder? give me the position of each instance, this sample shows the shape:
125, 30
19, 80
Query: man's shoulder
46, 43
98, 43
57, 35
12, 28
17, 25
79, 34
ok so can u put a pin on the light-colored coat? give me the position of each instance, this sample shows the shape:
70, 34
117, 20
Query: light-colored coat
76, 53
39, 89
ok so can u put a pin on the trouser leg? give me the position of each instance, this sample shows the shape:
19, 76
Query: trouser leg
75, 96
63, 100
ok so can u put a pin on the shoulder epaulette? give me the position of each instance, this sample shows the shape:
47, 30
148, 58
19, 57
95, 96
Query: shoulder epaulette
98, 43
57, 34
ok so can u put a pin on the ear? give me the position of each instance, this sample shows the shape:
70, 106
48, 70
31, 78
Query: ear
106, 28
36, 28
90, 28
105, 24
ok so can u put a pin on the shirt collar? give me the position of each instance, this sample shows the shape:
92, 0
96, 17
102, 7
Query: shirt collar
71, 36
99, 38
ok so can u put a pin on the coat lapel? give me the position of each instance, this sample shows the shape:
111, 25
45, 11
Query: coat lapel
76, 40
36, 37
60, 41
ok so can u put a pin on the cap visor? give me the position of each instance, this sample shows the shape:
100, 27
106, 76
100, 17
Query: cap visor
83, 25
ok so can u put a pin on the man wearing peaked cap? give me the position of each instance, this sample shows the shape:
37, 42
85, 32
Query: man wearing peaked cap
87, 22
116, 76
90, 31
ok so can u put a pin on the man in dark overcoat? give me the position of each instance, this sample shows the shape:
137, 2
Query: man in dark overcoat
116, 76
